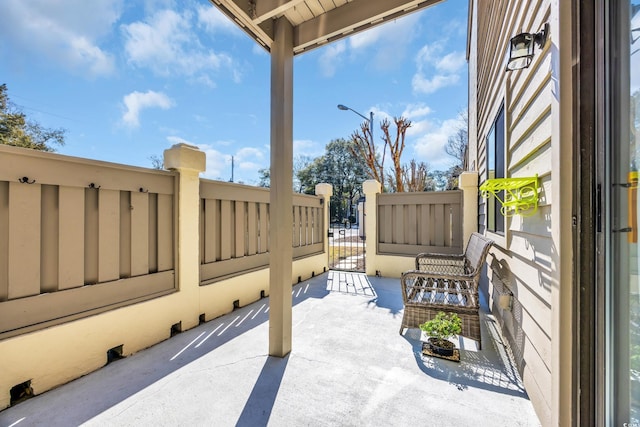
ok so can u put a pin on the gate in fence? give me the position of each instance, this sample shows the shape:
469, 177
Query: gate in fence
346, 243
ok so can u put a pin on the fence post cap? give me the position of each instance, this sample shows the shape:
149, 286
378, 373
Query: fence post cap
324, 189
371, 186
468, 179
185, 156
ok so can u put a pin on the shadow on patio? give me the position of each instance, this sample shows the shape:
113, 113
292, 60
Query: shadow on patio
349, 366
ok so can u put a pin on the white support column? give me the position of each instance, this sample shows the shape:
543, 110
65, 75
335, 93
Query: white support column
326, 191
371, 188
188, 161
563, 289
281, 195
468, 183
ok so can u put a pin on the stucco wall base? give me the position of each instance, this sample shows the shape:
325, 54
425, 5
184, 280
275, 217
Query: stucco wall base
57, 355
389, 265
54, 356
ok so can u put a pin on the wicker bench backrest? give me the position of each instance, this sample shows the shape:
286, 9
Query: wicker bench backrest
476, 252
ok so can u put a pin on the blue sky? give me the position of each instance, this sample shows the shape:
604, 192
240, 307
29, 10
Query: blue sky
128, 79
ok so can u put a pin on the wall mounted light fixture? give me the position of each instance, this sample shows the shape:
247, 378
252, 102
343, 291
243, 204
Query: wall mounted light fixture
521, 48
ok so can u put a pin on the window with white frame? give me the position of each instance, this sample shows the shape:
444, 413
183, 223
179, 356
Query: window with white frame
495, 169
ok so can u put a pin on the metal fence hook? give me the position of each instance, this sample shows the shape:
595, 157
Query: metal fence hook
25, 180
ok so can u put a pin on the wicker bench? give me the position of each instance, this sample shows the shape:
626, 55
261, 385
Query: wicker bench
446, 283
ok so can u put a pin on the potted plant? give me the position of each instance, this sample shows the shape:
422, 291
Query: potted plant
440, 329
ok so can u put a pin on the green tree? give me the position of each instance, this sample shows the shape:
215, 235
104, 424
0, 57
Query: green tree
265, 177
16, 129
299, 164
339, 167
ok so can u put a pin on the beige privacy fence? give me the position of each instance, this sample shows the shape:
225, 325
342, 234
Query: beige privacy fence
410, 223
80, 237
234, 228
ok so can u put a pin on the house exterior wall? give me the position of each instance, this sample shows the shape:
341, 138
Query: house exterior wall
525, 260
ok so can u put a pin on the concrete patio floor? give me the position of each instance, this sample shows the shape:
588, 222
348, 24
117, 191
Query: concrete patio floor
348, 367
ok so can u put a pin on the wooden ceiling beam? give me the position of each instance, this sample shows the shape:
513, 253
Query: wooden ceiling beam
266, 9
354, 16
255, 17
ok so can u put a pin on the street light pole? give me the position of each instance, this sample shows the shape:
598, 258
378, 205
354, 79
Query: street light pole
370, 119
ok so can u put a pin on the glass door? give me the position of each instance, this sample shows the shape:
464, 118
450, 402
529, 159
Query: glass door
622, 288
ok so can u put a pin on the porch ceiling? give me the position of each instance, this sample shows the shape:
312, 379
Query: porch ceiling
315, 22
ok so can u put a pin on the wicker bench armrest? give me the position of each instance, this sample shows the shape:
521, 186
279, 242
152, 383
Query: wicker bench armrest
426, 261
436, 275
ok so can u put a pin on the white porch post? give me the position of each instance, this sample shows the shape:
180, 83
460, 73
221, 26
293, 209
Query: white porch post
281, 195
371, 188
326, 191
189, 161
468, 183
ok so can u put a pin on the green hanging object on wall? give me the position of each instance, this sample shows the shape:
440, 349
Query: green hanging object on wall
519, 197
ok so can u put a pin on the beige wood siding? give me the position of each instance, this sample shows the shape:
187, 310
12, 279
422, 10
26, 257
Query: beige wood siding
524, 256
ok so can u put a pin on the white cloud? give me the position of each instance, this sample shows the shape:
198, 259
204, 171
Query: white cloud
376, 45
166, 44
429, 53
177, 140
421, 84
258, 49
366, 38
248, 159
306, 147
249, 153
249, 166
331, 57
135, 102
430, 147
430, 59
414, 111
419, 127
218, 163
224, 143
395, 39
451, 62
212, 20
43, 28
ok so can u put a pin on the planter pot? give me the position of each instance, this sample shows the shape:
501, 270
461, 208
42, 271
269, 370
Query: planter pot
434, 348
441, 347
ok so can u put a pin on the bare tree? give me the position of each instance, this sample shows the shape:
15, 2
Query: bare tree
416, 176
157, 162
457, 143
363, 146
396, 146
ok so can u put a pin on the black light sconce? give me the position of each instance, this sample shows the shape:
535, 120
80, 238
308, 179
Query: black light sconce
521, 48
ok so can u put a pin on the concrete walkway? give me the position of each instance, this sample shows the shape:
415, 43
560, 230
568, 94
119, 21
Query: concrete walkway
349, 367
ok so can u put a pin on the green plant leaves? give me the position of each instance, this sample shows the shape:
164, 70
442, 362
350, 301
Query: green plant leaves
443, 326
